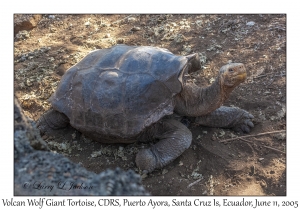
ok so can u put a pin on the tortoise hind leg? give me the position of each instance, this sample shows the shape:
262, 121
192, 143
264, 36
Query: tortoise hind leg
174, 139
52, 120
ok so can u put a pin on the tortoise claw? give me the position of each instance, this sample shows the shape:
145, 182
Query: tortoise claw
245, 128
244, 124
249, 123
250, 116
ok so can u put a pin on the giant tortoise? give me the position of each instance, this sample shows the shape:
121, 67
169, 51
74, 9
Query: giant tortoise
126, 94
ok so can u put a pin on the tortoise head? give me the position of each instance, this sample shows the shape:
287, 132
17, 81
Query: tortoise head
232, 74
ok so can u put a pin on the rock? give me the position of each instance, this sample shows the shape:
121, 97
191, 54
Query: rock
263, 183
280, 136
25, 22
135, 28
53, 30
21, 35
179, 38
150, 33
212, 80
251, 23
187, 49
260, 159
120, 40
131, 19
199, 23
164, 171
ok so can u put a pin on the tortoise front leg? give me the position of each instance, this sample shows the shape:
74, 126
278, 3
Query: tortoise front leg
174, 138
228, 117
52, 120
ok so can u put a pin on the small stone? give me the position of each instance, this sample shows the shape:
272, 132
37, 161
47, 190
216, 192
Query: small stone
96, 154
136, 28
28, 83
187, 49
63, 146
25, 22
260, 159
52, 30
51, 59
198, 22
51, 16
150, 33
107, 35
144, 176
22, 35
263, 183
22, 59
280, 136
131, 19
179, 38
120, 40
164, 171
87, 23
281, 113
44, 137
251, 23
222, 133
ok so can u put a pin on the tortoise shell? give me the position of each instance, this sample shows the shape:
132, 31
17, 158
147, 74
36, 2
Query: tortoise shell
116, 93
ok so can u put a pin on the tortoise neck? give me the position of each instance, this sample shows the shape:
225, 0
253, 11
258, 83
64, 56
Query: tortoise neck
196, 101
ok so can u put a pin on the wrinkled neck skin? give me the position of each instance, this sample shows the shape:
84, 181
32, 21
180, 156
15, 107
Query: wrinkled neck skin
195, 101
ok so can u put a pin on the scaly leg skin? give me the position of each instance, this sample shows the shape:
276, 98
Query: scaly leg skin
52, 120
174, 139
228, 117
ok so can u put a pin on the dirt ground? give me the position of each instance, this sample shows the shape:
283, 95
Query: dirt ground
254, 165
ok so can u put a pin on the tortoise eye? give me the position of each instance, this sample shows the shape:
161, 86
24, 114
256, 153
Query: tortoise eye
230, 70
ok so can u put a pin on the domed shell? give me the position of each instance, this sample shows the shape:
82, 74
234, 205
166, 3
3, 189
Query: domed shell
117, 92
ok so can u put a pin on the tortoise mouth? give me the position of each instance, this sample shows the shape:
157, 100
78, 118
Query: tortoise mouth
242, 76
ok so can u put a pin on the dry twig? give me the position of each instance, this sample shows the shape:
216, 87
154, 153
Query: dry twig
117, 21
240, 138
274, 149
260, 134
264, 75
195, 182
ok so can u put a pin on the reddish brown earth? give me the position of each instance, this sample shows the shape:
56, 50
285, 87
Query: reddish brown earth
254, 165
